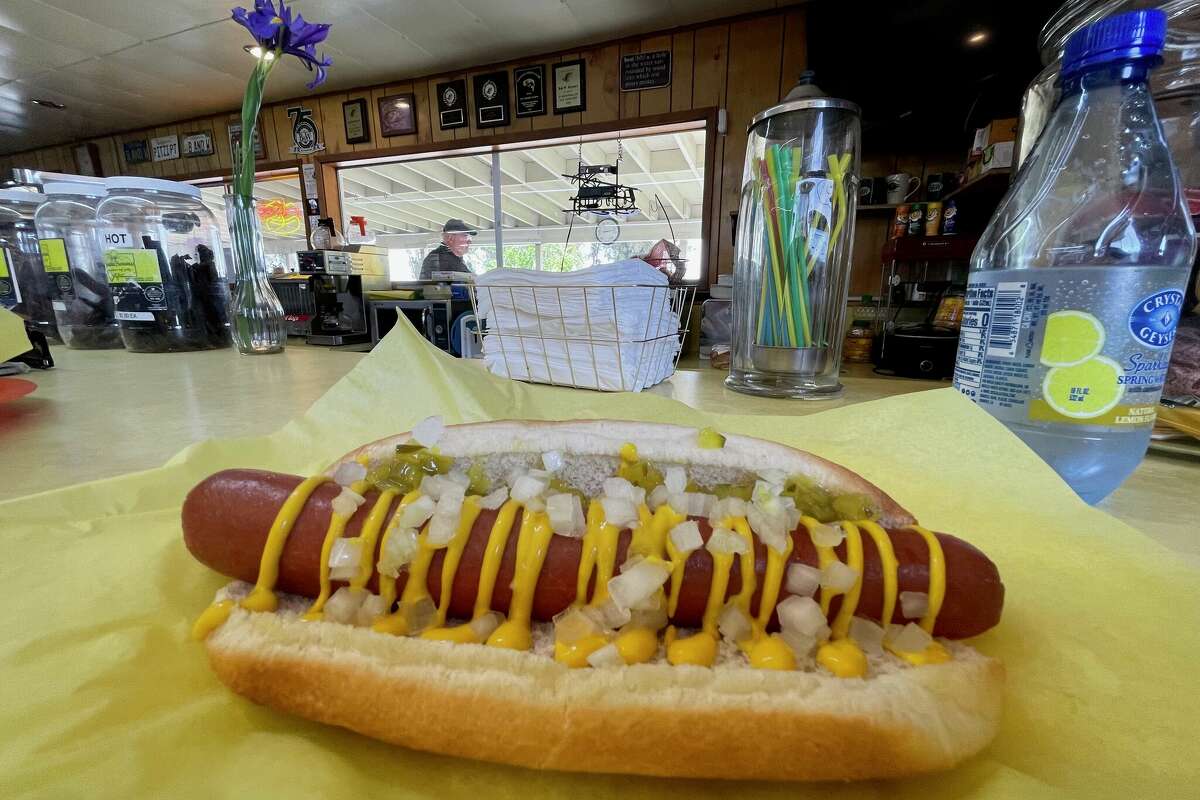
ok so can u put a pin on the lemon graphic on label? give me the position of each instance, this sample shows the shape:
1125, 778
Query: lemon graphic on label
1084, 391
1072, 337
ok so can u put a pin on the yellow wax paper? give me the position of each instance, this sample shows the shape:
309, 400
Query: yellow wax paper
104, 695
13, 340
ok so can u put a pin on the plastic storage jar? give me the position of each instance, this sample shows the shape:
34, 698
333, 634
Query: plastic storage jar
83, 305
163, 260
24, 285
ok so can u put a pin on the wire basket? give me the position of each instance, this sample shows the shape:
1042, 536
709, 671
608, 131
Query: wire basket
610, 338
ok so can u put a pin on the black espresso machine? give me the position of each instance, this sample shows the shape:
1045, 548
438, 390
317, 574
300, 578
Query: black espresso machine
326, 301
918, 348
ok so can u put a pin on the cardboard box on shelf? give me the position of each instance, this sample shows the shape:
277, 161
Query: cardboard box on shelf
995, 132
997, 156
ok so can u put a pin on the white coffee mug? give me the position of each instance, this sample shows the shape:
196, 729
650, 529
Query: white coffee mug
901, 186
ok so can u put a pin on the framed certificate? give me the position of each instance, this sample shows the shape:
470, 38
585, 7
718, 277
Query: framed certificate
530, 87
398, 115
570, 87
356, 121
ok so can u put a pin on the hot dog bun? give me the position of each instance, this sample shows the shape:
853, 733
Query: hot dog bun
656, 442
525, 709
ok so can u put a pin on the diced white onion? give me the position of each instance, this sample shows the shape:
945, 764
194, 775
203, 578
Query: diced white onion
419, 614
656, 601
525, 488
428, 431
650, 618
769, 527
676, 480
349, 472
775, 477
686, 537
802, 644
828, 535
728, 507
566, 515
802, 614
552, 460
434, 485
458, 477
493, 500
399, 549
607, 656
838, 576
451, 501
734, 624
373, 607
765, 493
344, 604
618, 488
694, 504
803, 579
867, 635
483, 626
347, 502
619, 511
658, 497
637, 583
914, 605
535, 504
344, 558
724, 540
912, 638
415, 514
441, 530
574, 624
609, 615
540, 474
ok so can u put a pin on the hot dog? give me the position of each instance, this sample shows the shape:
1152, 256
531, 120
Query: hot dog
232, 545
583, 578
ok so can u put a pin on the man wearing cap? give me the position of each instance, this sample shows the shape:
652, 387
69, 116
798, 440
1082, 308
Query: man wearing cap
448, 256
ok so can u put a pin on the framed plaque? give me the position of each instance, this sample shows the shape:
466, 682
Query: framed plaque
645, 71
356, 120
491, 100
570, 87
235, 139
452, 104
136, 151
529, 84
398, 115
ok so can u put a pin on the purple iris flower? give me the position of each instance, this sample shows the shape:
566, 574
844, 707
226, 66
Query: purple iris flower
279, 32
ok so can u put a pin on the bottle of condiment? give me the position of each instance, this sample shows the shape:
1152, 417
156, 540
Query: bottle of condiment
949, 218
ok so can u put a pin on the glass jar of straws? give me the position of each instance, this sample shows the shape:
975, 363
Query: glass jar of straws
792, 257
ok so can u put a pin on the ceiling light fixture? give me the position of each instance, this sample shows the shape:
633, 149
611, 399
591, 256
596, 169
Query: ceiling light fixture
47, 103
977, 38
258, 52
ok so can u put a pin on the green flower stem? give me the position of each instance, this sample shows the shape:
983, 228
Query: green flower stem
243, 162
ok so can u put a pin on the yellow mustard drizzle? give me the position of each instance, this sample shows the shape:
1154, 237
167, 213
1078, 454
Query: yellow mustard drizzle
854, 560
700, 649
387, 586
888, 564
937, 578
825, 557
262, 597
533, 540
369, 534
599, 555
212, 618
454, 551
337, 526
492, 556
772, 581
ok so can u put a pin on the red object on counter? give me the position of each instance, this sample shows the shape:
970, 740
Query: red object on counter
15, 388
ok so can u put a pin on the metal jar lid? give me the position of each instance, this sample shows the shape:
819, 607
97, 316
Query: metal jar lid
805, 95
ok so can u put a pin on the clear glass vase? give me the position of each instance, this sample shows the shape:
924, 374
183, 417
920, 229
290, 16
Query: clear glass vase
256, 313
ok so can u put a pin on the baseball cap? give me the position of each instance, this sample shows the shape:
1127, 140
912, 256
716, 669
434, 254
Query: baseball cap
458, 226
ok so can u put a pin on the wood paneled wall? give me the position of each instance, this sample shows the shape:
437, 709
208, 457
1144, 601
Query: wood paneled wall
743, 65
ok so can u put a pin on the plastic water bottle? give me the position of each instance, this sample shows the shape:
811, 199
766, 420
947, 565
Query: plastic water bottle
1078, 281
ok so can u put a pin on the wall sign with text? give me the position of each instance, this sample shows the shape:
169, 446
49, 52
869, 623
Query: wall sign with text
164, 148
235, 139
570, 87
306, 139
645, 71
198, 144
137, 151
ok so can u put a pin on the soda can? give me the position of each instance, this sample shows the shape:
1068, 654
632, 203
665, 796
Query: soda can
900, 222
916, 219
933, 219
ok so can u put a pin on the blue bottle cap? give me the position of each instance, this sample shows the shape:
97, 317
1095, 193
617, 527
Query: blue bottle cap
1135, 34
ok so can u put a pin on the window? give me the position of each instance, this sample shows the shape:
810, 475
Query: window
280, 214
407, 201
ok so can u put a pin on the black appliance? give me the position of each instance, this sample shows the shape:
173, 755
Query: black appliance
916, 349
325, 309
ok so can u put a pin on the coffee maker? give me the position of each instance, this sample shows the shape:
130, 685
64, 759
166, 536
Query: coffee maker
326, 302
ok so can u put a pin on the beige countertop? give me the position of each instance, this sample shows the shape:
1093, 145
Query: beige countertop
104, 413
